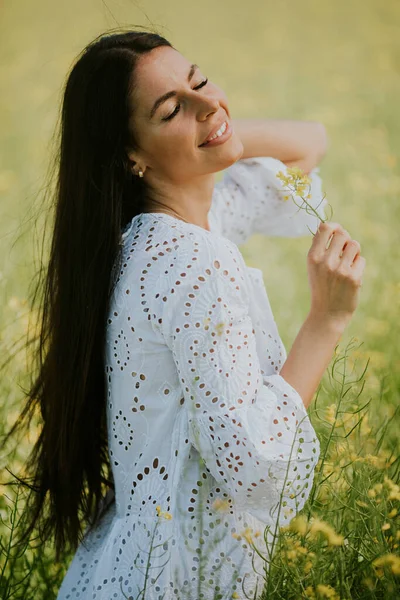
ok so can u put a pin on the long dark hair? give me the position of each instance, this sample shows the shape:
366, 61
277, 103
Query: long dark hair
95, 196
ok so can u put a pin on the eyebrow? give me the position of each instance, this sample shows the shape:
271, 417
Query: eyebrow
168, 95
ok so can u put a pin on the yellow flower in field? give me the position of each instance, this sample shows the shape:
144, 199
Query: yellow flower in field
160, 513
327, 591
388, 488
309, 592
369, 583
330, 414
390, 560
319, 526
385, 526
329, 469
235, 595
392, 513
323, 493
307, 567
355, 458
376, 461
299, 524
342, 449
361, 503
393, 487
394, 495
341, 485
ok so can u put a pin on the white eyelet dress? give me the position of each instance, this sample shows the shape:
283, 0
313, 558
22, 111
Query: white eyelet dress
206, 439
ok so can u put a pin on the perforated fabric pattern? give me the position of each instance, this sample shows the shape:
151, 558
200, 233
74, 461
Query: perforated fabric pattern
201, 426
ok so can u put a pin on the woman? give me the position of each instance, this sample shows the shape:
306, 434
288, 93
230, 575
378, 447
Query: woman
171, 411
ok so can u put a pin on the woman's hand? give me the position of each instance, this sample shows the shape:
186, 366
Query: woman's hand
335, 276
335, 273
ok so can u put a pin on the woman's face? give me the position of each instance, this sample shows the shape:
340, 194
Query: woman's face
170, 135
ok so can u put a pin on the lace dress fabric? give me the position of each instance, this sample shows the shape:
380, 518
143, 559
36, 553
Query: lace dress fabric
201, 425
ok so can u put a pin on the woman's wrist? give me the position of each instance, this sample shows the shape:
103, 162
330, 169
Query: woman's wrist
311, 352
327, 321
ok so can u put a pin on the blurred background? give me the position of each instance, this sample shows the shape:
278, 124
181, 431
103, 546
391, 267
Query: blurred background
337, 62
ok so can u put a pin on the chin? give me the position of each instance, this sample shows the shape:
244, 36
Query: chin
231, 156
236, 153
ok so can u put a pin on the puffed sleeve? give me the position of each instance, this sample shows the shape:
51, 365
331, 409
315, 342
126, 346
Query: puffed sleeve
250, 198
252, 431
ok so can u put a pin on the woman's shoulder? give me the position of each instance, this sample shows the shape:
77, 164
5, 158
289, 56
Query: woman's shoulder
162, 237
166, 252
202, 263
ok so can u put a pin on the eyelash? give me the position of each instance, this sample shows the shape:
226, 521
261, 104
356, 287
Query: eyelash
203, 83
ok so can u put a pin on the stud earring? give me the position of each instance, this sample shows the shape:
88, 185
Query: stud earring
141, 173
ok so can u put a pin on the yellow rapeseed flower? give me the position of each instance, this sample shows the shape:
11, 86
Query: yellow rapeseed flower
160, 513
394, 489
307, 567
327, 591
299, 524
361, 503
247, 534
319, 526
330, 413
390, 560
295, 172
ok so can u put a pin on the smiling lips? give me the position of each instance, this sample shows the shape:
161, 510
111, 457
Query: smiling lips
220, 136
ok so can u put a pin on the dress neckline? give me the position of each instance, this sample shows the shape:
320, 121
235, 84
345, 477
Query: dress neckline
156, 214
161, 216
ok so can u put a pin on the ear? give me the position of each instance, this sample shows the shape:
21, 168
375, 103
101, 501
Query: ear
132, 156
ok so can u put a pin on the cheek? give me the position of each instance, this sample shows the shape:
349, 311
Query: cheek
181, 138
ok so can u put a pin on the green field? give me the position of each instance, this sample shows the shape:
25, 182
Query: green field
334, 62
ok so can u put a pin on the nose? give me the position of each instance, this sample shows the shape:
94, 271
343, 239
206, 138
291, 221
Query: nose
208, 104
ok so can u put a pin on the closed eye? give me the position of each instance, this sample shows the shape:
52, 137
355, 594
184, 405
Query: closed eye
202, 84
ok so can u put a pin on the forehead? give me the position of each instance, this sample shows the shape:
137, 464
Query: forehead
158, 72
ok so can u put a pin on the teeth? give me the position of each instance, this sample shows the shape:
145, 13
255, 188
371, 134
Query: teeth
220, 131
